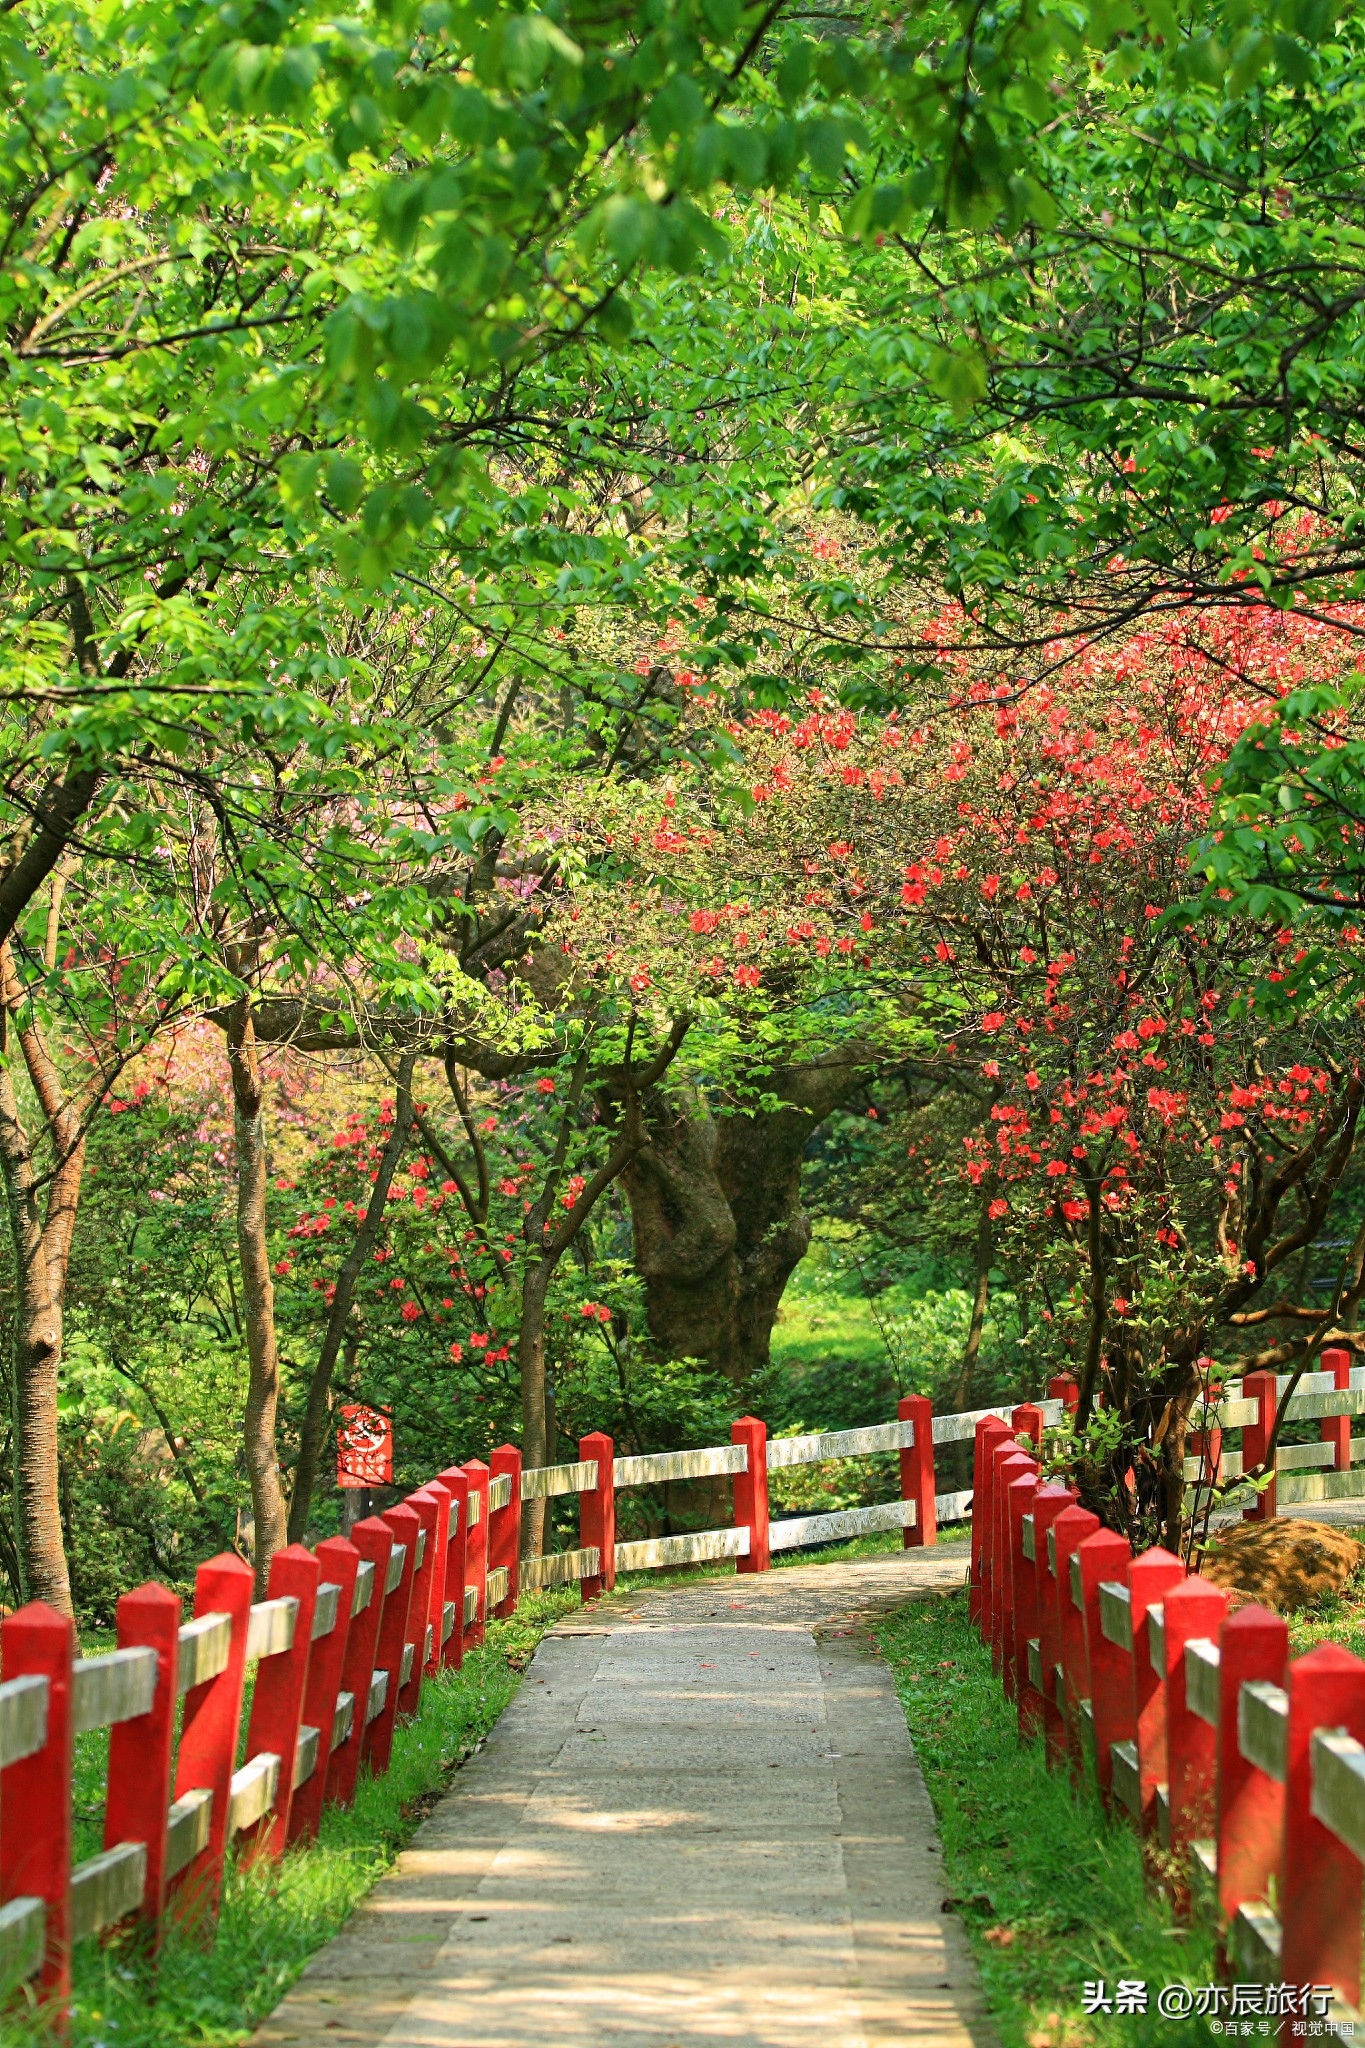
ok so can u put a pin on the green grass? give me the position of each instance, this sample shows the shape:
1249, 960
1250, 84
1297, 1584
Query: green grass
1337, 1618
275, 1917
1051, 1891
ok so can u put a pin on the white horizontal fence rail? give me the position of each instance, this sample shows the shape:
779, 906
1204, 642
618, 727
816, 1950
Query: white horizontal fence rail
704, 1546
561, 1568
1331, 1469
797, 1532
840, 1443
546, 1482
659, 1466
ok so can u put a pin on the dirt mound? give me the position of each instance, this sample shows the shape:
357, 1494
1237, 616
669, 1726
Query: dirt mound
1284, 1564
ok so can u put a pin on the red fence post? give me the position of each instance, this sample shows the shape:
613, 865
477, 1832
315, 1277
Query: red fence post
597, 1513
374, 1542
504, 1526
138, 1792
208, 1729
1336, 1429
1074, 1526
1023, 1602
1049, 1502
425, 1506
277, 1703
440, 1565
338, 1564
751, 1492
917, 1471
1150, 1578
456, 1484
404, 1523
989, 1431
476, 1550
1062, 1387
1002, 1471
35, 1792
1193, 1609
1320, 1878
1009, 1470
1027, 1420
1262, 1388
1104, 1559
1254, 1645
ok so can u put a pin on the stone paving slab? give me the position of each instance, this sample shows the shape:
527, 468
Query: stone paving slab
700, 1822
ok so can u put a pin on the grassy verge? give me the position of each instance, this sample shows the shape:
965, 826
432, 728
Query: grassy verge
1052, 1892
275, 1917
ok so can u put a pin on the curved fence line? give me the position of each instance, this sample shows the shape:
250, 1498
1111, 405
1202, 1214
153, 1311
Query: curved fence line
351, 1631
1187, 1713
341, 1648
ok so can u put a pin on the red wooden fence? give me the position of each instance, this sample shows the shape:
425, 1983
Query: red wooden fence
342, 1647
1246, 1764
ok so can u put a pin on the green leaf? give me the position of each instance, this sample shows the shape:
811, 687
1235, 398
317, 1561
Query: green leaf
627, 224
342, 482
616, 318
746, 155
959, 375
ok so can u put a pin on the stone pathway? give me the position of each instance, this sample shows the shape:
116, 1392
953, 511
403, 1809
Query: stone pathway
700, 1822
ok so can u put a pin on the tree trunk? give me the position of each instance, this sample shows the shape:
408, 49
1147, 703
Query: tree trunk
258, 1293
531, 1365
985, 1252
715, 1202
41, 1232
319, 1409
547, 1247
37, 1357
960, 1454
1094, 1346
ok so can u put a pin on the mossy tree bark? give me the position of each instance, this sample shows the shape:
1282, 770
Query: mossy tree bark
715, 1201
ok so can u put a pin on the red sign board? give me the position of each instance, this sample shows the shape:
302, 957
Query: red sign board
364, 1447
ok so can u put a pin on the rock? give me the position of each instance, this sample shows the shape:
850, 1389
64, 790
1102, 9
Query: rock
1286, 1564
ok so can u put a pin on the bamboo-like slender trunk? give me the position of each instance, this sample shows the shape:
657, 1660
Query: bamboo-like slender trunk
971, 1353
1099, 1308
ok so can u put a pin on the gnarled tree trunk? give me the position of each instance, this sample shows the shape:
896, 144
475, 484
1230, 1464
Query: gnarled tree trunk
715, 1202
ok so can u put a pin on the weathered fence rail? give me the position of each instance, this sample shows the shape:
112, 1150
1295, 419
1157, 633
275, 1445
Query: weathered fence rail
1186, 1712
351, 1631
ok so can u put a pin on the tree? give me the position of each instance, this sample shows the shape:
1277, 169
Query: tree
716, 1209
70, 1020
1159, 1149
